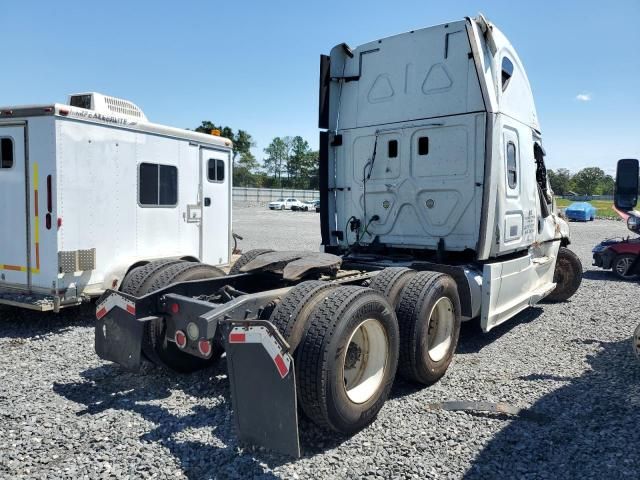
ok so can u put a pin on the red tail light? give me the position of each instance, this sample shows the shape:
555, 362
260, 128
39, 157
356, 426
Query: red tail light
175, 308
204, 347
181, 339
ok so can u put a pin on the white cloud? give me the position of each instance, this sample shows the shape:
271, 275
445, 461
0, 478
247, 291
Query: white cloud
583, 97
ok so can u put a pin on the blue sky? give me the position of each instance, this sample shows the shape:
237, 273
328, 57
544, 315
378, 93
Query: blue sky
254, 65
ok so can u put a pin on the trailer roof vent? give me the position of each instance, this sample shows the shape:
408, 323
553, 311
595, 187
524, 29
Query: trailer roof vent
107, 105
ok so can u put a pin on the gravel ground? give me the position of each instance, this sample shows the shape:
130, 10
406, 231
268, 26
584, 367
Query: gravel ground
66, 414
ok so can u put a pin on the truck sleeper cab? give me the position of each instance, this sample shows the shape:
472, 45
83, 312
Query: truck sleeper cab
435, 208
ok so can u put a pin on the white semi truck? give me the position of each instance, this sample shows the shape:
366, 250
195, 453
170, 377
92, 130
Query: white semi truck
435, 209
91, 190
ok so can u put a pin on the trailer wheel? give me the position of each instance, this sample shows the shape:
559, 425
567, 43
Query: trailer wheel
346, 363
136, 277
429, 321
155, 346
246, 258
636, 342
622, 264
390, 282
567, 276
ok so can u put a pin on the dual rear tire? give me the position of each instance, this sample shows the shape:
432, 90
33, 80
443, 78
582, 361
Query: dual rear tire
348, 342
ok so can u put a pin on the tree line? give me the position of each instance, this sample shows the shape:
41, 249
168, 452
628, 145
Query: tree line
289, 162
588, 181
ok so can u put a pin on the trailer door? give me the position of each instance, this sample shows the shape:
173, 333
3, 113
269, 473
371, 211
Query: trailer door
215, 198
14, 205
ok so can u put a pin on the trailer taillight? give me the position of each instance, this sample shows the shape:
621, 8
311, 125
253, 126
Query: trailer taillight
204, 347
180, 339
174, 308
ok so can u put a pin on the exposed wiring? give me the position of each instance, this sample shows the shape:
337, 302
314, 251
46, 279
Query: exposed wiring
365, 178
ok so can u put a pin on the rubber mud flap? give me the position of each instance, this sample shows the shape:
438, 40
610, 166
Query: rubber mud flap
118, 338
259, 368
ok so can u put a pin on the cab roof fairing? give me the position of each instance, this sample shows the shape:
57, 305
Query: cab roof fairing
517, 100
489, 46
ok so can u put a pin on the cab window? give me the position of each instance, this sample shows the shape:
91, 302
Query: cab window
512, 166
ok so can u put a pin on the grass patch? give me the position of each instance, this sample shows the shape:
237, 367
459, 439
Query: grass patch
605, 207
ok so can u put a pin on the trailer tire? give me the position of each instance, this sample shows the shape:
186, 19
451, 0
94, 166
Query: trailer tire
291, 315
246, 258
429, 321
155, 346
134, 279
567, 276
357, 328
390, 282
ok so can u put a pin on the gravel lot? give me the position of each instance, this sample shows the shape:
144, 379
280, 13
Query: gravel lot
66, 414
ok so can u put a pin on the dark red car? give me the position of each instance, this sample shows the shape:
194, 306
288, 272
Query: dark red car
623, 255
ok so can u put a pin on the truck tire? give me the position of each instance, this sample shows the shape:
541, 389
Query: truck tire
390, 282
291, 314
346, 363
622, 264
429, 321
155, 347
567, 276
246, 258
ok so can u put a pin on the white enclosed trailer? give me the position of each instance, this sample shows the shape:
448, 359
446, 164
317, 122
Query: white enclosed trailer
91, 189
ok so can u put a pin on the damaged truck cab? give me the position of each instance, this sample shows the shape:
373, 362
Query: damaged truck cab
434, 150
435, 209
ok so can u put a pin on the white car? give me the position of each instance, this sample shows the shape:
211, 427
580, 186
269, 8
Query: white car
286, 204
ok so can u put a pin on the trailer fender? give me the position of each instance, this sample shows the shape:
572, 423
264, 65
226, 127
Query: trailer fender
118, 334
259, 365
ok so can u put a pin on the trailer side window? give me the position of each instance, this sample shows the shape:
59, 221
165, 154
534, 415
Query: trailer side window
157, 185
512, 165
6, 153
507, 72
215, 170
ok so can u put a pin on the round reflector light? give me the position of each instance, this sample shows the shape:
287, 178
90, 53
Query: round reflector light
192, 331
181, 339
175, 308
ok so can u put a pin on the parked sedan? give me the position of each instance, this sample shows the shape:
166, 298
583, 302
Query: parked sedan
582, 211
305, 207
286, 204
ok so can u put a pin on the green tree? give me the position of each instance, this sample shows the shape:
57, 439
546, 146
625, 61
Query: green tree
589, 180
297, 161
277, 158
560, 180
